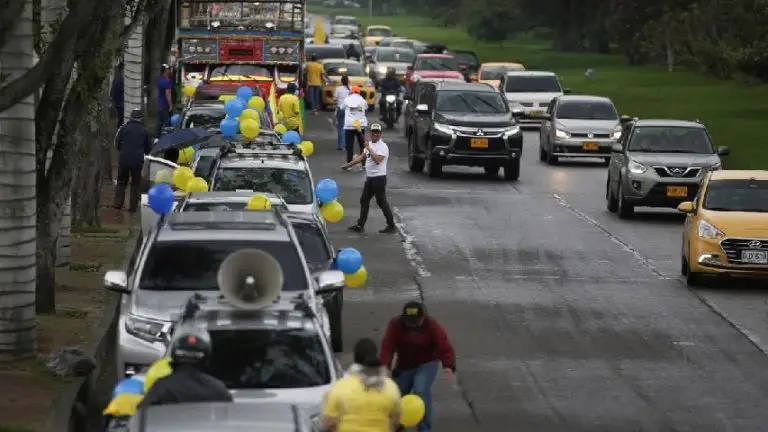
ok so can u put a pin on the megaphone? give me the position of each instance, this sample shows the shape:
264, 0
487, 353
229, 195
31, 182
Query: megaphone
250, 279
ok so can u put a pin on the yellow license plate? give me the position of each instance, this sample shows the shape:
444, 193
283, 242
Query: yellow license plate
590, 146
677, 191
535, 113
478, 143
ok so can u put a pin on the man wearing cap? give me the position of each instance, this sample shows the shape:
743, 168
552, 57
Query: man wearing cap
132, 143
355, 122
376, 155
164, 99
420, 344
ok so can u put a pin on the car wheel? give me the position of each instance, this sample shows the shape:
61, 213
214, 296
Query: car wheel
694, 279
607, 161
492, 171
626, 210
552, 159
434, 167
542, 154
512, 170
683, 265
612, 203
415, 163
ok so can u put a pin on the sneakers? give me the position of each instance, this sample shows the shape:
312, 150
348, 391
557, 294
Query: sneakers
390, 229
355, 228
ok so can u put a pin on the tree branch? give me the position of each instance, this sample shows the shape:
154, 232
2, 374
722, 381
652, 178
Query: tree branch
12, 10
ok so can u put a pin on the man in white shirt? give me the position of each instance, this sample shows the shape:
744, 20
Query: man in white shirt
376, 156
340, 95
355, 121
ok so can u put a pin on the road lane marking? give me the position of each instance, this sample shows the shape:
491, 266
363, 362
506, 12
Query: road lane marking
411, 253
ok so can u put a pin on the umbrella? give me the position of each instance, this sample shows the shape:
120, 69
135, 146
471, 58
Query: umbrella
182, 138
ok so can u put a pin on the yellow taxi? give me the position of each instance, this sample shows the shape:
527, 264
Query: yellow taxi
375, 33
335, 68
726, 227
491, 73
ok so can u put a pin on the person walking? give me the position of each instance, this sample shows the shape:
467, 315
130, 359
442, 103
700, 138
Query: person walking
117, 94
376, 155
341, 94
420, 344
164, 99
289, 109
366, 399
315, 78
355, 121
132, 142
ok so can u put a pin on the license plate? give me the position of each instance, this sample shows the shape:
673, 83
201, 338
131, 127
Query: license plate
536, 113
677, 191
478, 143
754, 256
590, 146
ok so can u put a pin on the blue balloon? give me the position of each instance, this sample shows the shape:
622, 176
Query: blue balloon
291, 137
129, 386
175, 119
234, 107
244, 94
160, 198
228, 127
326, 191
349, 260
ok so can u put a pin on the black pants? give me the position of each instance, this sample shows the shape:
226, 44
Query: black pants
350, 135
123, 174
375, 187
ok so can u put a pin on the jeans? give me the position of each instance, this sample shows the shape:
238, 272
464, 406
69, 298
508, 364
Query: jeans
163, 119
314, 96
349, 141
340, 129
419, 381
375, 187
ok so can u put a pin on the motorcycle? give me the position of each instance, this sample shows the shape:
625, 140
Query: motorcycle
390, 115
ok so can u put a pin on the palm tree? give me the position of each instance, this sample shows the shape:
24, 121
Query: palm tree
17, 201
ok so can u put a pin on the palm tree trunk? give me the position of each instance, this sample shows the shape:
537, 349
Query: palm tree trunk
134, 68
18, 202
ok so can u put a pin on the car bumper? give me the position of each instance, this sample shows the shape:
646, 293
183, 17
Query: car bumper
599, 148
708, 256
368, 93
644, 191
500, 152
134, 354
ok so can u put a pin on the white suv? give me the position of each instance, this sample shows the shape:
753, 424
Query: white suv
531, 91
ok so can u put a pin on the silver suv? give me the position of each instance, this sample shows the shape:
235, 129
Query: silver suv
659, 163
183, 255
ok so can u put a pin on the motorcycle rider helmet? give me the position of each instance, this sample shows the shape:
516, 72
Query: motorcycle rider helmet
190, 347
390, 72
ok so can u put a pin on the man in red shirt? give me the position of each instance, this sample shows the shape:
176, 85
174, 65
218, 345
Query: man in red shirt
421, 345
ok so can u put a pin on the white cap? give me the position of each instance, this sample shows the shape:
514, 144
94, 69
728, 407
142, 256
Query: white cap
376, 127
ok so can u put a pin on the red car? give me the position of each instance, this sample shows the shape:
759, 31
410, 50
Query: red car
433, 66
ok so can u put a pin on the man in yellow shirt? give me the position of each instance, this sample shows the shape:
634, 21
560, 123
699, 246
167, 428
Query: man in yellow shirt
315, 79
366, 399
289, 109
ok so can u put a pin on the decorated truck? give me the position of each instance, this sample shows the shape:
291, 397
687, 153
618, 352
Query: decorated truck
225, 45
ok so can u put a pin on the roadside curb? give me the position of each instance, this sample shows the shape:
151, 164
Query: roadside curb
71, 405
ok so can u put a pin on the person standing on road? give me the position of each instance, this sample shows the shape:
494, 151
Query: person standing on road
341, 94
376, 154
315, 78
289, 109
420, 344
164, 99
132, 142
355, 121
117, 94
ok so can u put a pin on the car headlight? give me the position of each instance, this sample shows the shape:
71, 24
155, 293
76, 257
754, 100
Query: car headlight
636, 167
514, 130
391, 98
144, 329
708, 231
382, 70
562, 134
616, 134
443, 128
716, 167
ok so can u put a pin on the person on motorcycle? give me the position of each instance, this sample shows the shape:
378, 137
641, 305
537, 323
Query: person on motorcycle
390, 85
190, 353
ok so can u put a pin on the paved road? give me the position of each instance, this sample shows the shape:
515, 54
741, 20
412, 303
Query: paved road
564, 318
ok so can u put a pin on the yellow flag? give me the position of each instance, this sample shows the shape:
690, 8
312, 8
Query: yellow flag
319, 37
273, 102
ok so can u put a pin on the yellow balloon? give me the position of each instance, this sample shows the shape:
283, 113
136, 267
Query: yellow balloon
280, 128
249, 128
181, 177
259, 202
332, 211
413, 410
357, 279
189, 90
197, 184
357, 124
186, 155
250, 114
307, 148
257, 103
159, 369
164, 176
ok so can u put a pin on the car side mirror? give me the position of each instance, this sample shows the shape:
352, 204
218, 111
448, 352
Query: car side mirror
616, 148
422, 108
723, 151
686, 207
329, 281
625, 119
566, 91
117, 281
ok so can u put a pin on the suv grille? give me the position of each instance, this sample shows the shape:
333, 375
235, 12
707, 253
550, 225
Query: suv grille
464, 136
596, 136
679, 172
734, 246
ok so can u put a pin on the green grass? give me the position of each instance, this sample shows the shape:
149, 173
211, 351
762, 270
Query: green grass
735, 113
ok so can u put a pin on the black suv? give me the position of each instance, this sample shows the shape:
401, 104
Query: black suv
455, 123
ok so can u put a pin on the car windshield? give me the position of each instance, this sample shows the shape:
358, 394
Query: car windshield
294, 186
268, 358
203, 117
238, 70
220, 206
204, 165
665, 139
586, 111
466, 58
194, 265
532, 84
436, 64
335, 52
349, 69
497, 72
748, 195
345, 22
474, 102
395, 55
379, 32
313, 242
